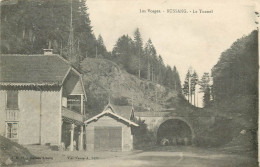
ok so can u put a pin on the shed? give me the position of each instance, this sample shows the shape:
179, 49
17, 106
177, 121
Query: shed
111, 130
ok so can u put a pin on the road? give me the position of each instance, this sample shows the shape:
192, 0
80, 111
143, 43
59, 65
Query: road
164, 159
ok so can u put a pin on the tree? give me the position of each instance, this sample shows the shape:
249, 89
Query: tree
123, 53
101, 48
190, 83
160, 70
29, 26
186, 86
143, 138
206, 97
236, 72
138, 48
177, 81
194, 82
168, 82
204, 82
149, 52
205, 87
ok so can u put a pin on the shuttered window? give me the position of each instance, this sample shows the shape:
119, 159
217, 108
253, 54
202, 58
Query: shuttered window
12, 100
12, 130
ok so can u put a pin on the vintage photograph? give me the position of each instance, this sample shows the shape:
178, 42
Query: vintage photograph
129, 83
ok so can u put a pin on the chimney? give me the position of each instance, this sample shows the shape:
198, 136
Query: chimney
47, 52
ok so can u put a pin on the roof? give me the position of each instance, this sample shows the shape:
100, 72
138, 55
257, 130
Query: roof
33, 69
123, 111
72, 116
110, 110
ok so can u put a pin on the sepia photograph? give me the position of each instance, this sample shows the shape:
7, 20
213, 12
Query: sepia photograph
129, 83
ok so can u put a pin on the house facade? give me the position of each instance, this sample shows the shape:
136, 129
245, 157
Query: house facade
41, 101
111, 130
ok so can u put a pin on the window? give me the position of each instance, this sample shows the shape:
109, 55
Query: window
12, 130
12, 100
74, 103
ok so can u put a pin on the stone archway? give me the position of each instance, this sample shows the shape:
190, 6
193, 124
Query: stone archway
176, 130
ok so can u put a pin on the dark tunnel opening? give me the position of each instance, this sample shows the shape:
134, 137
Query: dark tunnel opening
174, 132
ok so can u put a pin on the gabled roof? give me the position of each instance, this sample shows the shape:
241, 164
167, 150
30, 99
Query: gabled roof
110, 110
33, 69
123, 111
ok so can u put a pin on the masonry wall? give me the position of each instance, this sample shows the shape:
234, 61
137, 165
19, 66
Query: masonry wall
51, 117
29, 116
127, 138
152, 122
29, 121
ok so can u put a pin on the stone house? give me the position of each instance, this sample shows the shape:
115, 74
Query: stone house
41, 100
111, 130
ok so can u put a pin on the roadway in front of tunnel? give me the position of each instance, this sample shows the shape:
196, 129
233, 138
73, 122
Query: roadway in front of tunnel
195, 157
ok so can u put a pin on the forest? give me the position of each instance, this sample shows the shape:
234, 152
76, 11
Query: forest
236, 72
28, 27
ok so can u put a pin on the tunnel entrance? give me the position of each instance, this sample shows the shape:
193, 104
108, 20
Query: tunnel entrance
174, 132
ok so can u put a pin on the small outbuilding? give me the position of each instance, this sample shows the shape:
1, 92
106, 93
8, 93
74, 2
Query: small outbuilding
111, 130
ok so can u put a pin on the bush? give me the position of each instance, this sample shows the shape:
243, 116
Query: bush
143, 138
120, 101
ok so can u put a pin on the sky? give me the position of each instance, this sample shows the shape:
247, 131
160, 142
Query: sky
183, 39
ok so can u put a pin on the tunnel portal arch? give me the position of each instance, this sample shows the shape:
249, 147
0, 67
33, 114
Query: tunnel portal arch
175, 129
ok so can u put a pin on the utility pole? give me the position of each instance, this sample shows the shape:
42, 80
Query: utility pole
71, 36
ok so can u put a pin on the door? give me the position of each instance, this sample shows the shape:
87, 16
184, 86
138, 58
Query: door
108, 138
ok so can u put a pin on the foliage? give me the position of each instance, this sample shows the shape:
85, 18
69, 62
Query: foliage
144, 62
143, 138
193, 83
120, 101
236, 72
206, 97
189, 86
29, 26
101, 48
205, 88
186, 85
235, 93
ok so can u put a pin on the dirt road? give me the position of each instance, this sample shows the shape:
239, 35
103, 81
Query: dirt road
166, 159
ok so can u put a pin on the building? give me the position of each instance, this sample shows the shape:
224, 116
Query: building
42, 100
111, 130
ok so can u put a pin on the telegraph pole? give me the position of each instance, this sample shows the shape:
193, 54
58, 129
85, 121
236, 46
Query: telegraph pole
71, 36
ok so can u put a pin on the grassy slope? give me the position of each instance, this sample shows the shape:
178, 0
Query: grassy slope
104, 78
240, 129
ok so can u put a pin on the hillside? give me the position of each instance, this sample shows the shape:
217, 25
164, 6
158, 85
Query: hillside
235, 91
104, 80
